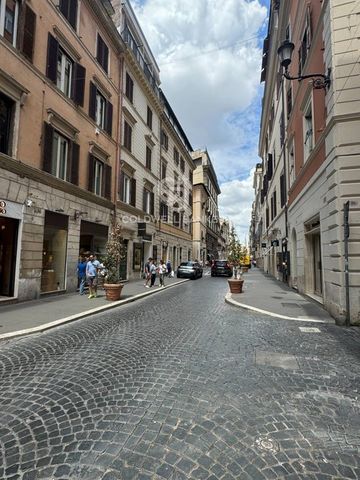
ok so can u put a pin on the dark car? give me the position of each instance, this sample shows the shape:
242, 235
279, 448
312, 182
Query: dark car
189, 270
221, 267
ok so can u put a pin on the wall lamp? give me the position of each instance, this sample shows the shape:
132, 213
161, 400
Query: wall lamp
285, 53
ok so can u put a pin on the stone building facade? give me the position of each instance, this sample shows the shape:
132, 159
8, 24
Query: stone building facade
319, 144
59, 91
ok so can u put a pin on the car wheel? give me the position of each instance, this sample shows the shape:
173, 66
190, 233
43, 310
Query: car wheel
213, 274
201, 275
178, 276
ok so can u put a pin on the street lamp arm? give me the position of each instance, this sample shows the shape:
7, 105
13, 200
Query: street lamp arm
320, 80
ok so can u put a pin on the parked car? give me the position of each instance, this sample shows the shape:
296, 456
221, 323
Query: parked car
221, 267
189, 270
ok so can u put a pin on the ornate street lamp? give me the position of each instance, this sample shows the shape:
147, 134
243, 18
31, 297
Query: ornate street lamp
285, 53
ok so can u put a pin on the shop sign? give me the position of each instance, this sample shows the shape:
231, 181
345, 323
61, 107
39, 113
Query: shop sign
2, 207
141, 229
263, 245
11, 209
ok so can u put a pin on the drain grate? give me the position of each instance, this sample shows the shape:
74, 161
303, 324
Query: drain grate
309, 329
267, 444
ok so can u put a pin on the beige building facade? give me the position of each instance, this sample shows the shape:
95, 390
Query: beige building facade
59, 92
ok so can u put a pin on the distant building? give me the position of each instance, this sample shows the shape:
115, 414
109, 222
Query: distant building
206, 223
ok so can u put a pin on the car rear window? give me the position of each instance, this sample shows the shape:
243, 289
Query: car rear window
221, 262
186, 264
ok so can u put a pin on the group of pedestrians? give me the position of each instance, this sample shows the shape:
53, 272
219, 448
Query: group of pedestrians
152, 269
88, 269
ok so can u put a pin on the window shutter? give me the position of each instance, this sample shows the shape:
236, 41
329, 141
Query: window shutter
52, 56
91, 173
133, 192
109, 117
78, 84
269, 166
75, 150
28, 33
121, 187
152, 203
47, 152
92, 101
107, 185
73, 13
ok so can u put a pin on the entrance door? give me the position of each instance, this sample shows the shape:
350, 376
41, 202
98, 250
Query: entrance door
8, 243
317, 265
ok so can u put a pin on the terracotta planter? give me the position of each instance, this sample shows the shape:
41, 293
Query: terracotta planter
235, 285
113, 291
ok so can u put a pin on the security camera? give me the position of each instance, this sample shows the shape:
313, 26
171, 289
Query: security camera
28, 202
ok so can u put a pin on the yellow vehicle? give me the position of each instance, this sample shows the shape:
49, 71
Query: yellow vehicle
245, 261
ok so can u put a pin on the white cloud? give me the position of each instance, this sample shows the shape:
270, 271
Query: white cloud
235, 202
210, 56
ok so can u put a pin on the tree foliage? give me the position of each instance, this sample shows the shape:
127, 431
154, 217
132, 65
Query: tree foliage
115, 252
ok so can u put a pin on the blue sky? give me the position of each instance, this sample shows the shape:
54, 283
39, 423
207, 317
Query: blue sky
209, 56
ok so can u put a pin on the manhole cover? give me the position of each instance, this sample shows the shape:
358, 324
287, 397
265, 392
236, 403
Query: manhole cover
267, 444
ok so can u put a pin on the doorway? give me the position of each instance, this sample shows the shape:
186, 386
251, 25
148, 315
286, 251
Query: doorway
317, 265
8, 242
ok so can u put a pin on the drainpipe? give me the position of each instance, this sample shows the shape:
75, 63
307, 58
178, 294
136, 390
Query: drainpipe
285, 177
118, 135
346, 256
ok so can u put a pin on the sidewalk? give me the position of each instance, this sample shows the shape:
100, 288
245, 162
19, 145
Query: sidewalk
265, 295
39, 315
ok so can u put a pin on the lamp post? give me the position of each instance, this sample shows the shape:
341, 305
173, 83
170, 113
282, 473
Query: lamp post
285, 53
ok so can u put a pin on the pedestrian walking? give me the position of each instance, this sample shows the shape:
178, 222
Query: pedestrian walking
81, 271
147, 273
168, 268
97, 266
153, 269
162, 271
91, 276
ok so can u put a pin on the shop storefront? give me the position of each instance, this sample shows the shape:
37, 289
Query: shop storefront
10, 219
93, 238
53, 277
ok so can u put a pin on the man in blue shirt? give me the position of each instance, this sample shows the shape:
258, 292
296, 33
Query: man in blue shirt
91, 272
81, 271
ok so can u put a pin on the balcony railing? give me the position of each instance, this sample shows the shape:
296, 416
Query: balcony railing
129, 39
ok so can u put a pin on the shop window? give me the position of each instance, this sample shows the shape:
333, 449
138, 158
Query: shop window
7, 109
8, 249
67, 75
54, 252
100, 109
102, 53
60, 155
99, 177
69, 9
127, 189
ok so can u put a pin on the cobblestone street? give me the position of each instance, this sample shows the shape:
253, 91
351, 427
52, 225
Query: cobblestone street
181, 386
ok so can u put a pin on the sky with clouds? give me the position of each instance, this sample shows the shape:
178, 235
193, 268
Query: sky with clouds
209, 54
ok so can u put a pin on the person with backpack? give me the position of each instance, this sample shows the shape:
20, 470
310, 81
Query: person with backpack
147, 273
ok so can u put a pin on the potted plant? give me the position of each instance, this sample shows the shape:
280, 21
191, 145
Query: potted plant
234, 249
115, 252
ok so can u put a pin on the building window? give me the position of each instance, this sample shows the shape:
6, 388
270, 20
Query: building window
176, 219
163, 170
164, 212
7, 108
308, 129
164, 140
129, 88
190, 177
176, 182
148, 202
9, 12
149, 118
99, 177
181, 192
127, 135
60, 156
289, 101
100, 109
127, 189
306, 41
182, 164
69, 9
190, 199
100, 114
176, 156
291, 162
102, 53
148, 157
64, 72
